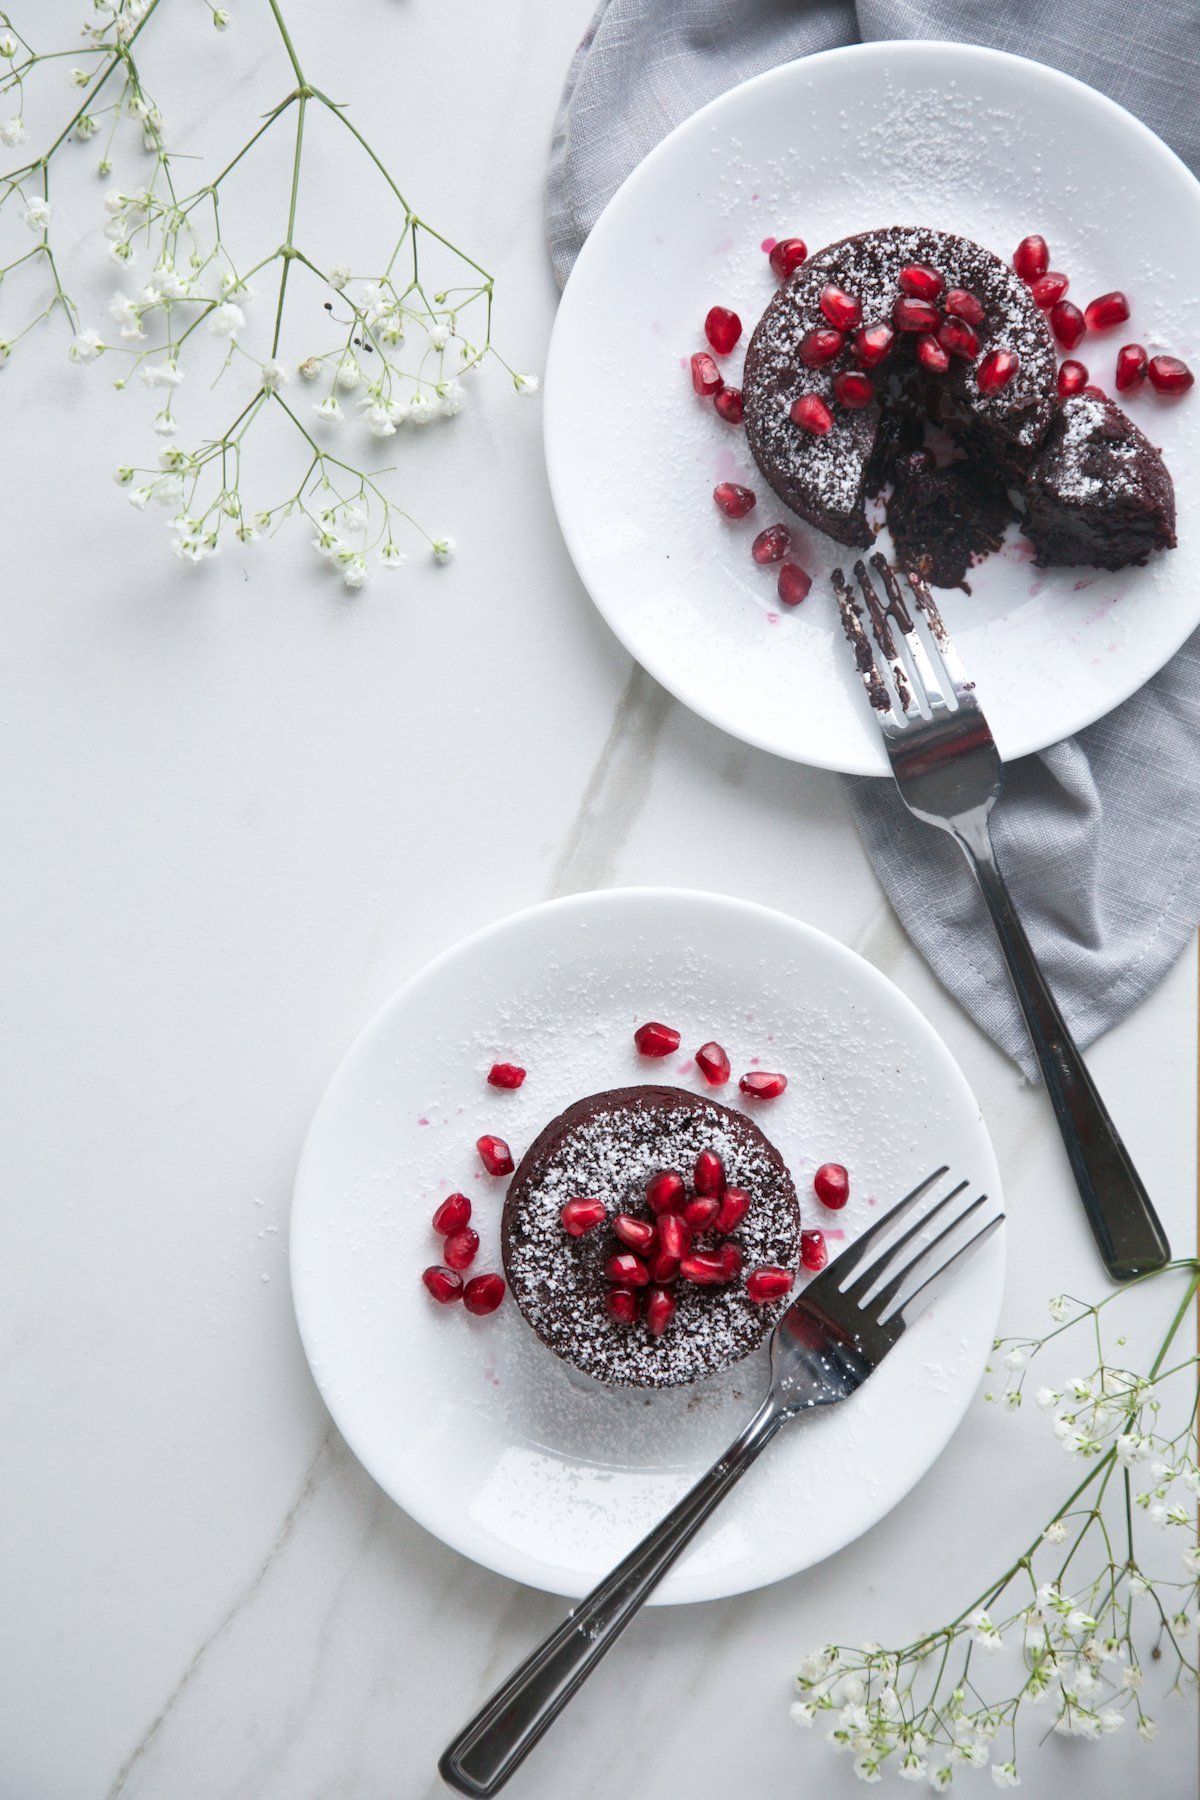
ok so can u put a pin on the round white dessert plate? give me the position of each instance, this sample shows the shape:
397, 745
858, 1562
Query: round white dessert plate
473, 1425
965, 139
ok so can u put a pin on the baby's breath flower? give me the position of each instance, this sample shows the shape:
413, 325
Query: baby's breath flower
8, 46
1055, 1532
391, 555
339, 275
527, 384
37, 214
329, 408
443, 549
85, 345
1060, 1308
220, 18
274, 375
439, 337
12, 132
226, 319
1015, 1358
1147, 1729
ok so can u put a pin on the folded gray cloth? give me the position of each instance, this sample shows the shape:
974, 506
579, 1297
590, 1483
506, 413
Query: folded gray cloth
1097, 835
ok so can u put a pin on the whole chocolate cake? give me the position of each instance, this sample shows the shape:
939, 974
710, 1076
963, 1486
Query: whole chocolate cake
1097, 491
607, 1149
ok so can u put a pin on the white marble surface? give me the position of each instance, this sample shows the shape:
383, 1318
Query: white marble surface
239, 809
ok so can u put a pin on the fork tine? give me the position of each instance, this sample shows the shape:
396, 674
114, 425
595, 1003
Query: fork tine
934, 1280
905, 683
883, 1299
960, 681
926, 674
888, 1255
854, 1253
864, 656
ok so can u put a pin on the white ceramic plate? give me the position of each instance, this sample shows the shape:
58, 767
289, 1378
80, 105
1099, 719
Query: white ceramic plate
473, 1425
969, 140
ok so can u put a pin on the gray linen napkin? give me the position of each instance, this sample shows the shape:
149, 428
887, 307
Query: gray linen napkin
1098, 834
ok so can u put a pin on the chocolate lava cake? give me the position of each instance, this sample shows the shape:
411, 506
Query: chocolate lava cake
1097, 491
607, 1148
944, 517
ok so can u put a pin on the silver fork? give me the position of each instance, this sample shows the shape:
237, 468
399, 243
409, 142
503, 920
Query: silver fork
949, 774
835, 1334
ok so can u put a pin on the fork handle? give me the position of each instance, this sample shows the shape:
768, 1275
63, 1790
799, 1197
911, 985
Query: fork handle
1124, 1223
504, 1731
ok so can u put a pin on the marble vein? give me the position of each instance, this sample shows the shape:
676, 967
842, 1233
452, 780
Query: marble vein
617, 788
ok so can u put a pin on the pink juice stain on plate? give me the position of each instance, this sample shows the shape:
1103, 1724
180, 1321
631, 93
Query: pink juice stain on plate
723, 248
767, 245
772, 618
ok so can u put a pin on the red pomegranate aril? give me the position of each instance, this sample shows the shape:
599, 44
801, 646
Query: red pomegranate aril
1067, 323
708, 1175
653, 1039
505, 1075
580, 1216
711, 1059
769, 1283
664, 1191
1031, 258
730, 405
701, 1213
811, 413
722, 328
871, 344
853, 389
735, 502
706, 377
1049, 288
730, 1258
787, 255
915, 315
762, 1086
461, 1248
444, 1284
770, 546
958, 339
660, 1310
705, 1267
931, 356
996, 370
663, 1268
483, 1294
626, 1270
793, 584
1106, 310
735, 1204
495, 1155
813, 1251
638, 1234
960, 303
674, 1235
831, 1184
1132, 364
622, 1303
452, 1214
1072, 377
1094, 393
820, 345
922, 282
841, 309
1169, 375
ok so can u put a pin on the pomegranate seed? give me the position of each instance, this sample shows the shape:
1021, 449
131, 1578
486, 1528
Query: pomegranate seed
871, 344
483, 1294
962, 304
660, 1310
768, 1283
930, 354
922, 282
771, 545
820, 346
1031, 258
622, 1303
730, 1258
580, 1216
1170, 375
664, 1191
638, 1234
761, 1086
957, 337
722, 328
811, 412
626, 1270
444, 1284
461, 1248
505, 1075
1106, 310
1072, 377
852, 389
997, 370
735, 502
1067, 323
793, 584
701, 1213
663, 1268
915, 315
1094, 393
495, 1155
735, 1204
711, 1060
1132, 363
706, 377
787, 255
653, 1039
840, 308
1049, 288
705, 1268
730, 406
831, 1184
674, 1235
452, 1214
813, 1251
708, 1176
